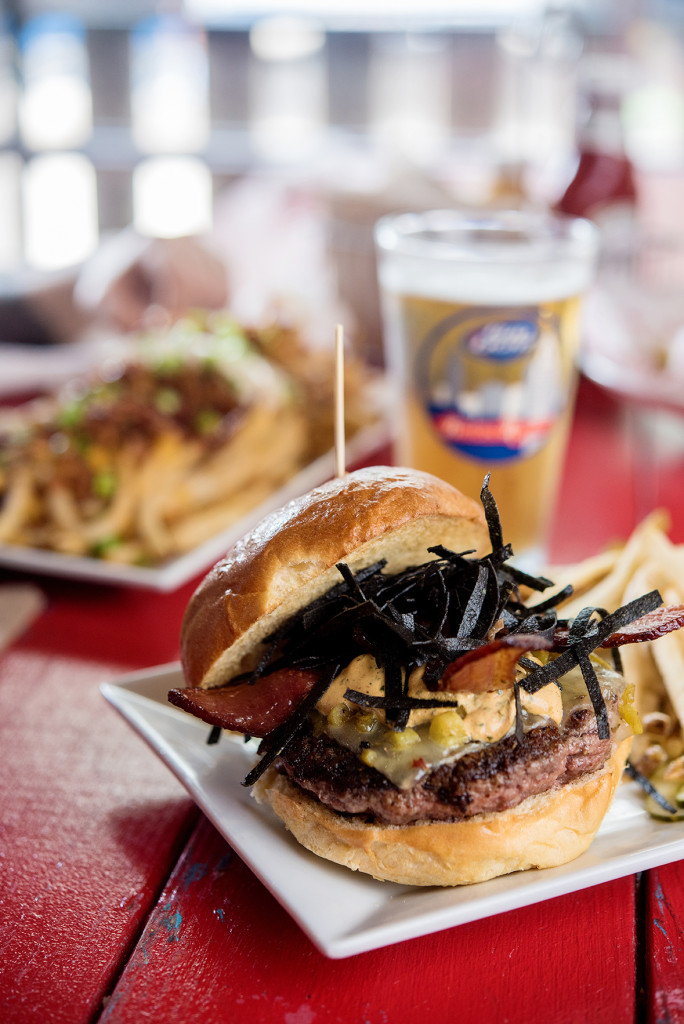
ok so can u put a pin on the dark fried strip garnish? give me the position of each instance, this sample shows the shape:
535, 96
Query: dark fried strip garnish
214, 735
595, 635
649, 788
551, 602
594, 691
471, 615
491, 511
405, 702
519, 730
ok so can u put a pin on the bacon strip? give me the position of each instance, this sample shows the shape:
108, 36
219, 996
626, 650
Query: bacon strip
254, 709
648, 627
492, 666
257, 709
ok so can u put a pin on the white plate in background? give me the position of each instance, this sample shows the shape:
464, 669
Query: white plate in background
179, 570
345, 912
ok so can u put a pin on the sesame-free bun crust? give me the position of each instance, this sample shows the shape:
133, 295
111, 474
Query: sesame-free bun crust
289, 559
541, 832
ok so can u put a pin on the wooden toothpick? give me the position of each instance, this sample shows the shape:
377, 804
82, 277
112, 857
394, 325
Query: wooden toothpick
339, 401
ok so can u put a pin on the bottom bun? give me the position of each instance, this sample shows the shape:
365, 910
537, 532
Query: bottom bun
541, 832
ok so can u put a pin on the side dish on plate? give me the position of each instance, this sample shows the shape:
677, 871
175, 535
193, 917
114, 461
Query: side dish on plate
647, 560
420, 720
169, 442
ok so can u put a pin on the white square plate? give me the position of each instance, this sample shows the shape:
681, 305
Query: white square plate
176, 571
341, 911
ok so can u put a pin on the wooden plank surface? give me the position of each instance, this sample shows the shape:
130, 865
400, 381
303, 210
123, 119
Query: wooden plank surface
91, 823
220, 948
663, 943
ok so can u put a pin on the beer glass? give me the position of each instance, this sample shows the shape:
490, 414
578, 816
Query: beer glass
481, 326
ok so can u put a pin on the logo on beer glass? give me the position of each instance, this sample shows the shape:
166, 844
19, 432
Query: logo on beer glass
505, 339
491, 381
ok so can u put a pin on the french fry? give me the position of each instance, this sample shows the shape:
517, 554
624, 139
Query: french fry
271, 447
194, 529
119, 515
583, 575
17, 506
641, 669
667, 563
668, 652
165, 468
669, 658
607, 593
61, 506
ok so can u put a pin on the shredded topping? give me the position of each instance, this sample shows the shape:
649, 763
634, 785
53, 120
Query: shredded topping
432, 615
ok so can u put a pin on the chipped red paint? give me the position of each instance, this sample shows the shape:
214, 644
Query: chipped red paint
663, 962
91, 823
238, 956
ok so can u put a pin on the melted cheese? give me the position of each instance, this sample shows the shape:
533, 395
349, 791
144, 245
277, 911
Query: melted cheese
404, 757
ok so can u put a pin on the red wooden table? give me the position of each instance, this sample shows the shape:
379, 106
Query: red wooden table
121, 903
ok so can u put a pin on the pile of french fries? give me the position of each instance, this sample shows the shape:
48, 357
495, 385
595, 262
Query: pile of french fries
648, 560
167, 496
137, 499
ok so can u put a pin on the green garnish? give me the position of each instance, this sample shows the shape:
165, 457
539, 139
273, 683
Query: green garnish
100, 548
206, 421
104, 484
168, 363
167, 401
70, 415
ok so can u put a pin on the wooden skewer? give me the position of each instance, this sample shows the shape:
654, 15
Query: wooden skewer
339, 401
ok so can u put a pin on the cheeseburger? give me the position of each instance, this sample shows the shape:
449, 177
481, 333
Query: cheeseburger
422, 717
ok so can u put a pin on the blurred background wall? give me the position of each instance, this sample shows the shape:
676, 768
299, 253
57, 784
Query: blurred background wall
120, 112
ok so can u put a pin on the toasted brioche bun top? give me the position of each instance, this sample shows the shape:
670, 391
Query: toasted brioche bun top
289, 558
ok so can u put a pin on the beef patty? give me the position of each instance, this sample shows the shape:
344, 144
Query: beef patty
492, 778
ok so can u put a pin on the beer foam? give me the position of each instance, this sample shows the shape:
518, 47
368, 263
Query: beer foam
494, 284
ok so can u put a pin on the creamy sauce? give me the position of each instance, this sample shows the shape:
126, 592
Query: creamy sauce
404, 757
360, 674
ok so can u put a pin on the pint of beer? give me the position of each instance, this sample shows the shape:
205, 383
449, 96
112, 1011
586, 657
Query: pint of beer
481, 327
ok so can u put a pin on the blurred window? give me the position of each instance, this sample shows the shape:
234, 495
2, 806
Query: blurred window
155, 113
59, 194
55, 110
172, 196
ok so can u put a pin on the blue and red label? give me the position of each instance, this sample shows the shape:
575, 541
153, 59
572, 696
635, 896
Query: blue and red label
492, 381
